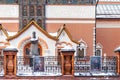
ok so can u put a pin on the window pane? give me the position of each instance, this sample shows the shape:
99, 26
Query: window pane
24, 22
98, 53
39, 10
24, 10
39, 22
31, 10
80, 53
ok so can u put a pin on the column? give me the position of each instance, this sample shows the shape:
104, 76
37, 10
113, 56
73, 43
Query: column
10, 61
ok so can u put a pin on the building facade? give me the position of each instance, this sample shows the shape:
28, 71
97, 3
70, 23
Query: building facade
59, 37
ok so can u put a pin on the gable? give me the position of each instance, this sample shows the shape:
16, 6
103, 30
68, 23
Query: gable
64, 37
64, 34
27, 27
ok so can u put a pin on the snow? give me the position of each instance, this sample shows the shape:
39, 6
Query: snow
117, 49
34, 39
95, 74
40, 74
10, 48
11, 33
53, 34
2, 73
67, 48
108, 16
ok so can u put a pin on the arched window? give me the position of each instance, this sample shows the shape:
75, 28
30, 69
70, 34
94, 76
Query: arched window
80, 53
39, 10
32, 1
39, 22
81, 49
24, 10
98, 50
24, 22
39, 1
32, 11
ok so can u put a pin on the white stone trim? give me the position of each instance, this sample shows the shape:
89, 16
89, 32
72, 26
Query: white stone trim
94, 39
84, 46
99, 47
70, 21
70, 11
107, 25
82, 41
9, 11
9, 21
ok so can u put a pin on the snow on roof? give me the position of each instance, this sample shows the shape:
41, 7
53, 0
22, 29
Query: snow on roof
10, 48
108, 16
53, 34
67, 48
11, 33
117, 49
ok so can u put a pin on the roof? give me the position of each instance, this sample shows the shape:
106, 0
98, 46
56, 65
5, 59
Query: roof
108, 11
4, 31
63, 28
32, 22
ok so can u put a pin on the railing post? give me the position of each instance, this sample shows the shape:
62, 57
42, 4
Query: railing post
67, 62
118, 61
10, 61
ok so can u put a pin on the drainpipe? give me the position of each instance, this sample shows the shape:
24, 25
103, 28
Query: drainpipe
96, 22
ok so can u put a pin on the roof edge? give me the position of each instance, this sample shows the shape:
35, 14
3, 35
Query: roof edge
32, 22
63, 28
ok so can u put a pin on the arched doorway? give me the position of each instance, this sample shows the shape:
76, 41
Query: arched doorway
26, 50
25, 43
28, 60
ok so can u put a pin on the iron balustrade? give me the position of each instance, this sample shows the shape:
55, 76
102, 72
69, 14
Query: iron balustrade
109, 64
26, 66
52, 65
1, 65
83, 65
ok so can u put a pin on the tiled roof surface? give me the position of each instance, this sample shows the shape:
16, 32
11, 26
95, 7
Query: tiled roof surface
108, 11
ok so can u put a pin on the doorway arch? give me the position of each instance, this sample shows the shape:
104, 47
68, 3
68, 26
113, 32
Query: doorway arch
26, 49
25, 42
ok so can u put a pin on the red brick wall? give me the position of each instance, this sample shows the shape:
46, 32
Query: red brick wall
109, 38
